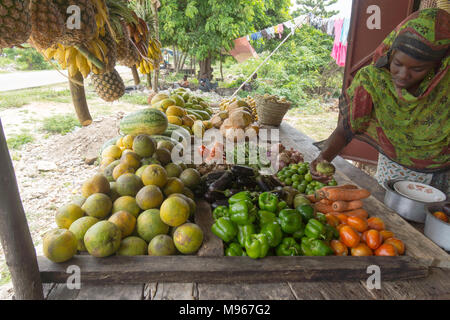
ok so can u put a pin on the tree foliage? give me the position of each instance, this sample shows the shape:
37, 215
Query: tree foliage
316, 7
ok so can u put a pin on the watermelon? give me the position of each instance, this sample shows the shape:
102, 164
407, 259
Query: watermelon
146, 121
159, 138
179, 135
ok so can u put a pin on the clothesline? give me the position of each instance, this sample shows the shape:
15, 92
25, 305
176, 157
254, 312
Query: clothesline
337, 27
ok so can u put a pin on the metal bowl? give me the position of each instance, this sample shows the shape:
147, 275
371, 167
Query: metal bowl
435, 229
409, 209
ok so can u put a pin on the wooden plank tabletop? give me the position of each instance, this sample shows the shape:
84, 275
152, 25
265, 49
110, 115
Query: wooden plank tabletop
435, 286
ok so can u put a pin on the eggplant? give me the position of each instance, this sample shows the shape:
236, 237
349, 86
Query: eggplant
242, 171
214, 175
230, 192
262, 184
222, 202
246, 181
213, 196
275, 181
278, 193
224, 182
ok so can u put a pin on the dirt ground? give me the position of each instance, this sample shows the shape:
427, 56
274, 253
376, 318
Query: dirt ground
51, 170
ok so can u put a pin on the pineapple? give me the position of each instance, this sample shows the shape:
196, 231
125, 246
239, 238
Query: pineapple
47, 24
88, 30
112, 50
109, 86
15, 24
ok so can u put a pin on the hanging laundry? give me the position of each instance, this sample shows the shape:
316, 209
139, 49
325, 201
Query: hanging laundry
257, 35
265, 34
243, 50
280, 30
343, 43
338, 23
330, 27
290, 25
271, 32
301, 20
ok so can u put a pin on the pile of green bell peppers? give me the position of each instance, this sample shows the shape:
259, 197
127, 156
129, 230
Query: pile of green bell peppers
254, 226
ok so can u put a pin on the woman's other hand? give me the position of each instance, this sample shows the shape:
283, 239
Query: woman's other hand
317, 175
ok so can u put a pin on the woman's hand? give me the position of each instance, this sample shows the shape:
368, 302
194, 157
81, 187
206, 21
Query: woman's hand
317, 175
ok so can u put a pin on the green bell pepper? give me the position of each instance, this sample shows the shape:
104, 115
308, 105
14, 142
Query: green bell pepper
225, 229
243, 195
290, 220
221, 211
242, 212
306, 211
273, 232
257, 246
315, 229
268, 201
321, 217
244, 232
299, 234
315, 247
235, 250
331, 233
266, 217
288, 247
281, 205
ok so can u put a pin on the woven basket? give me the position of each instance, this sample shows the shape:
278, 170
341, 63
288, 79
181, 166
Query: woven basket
425, 4
269, 112
444, 4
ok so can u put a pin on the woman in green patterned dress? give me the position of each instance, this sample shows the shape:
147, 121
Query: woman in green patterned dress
400, 104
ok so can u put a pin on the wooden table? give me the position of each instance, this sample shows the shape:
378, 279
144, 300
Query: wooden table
432, 272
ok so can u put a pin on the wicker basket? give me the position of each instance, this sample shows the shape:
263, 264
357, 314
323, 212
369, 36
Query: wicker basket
270, 112
425, 4
444, 4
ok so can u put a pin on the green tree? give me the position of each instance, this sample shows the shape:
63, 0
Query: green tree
204, 27
316, 7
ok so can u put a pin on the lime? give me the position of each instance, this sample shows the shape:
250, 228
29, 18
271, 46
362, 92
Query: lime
295, 184
288, 181
295, 177
308, 177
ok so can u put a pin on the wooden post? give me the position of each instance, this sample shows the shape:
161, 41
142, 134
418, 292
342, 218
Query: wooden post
14, 233
79, 100
221, 69
135, 75
149, 81
155, 5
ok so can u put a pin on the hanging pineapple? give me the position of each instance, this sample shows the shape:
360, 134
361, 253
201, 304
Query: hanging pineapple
109, 85
15, 22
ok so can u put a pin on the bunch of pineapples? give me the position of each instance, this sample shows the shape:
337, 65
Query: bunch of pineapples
15, 26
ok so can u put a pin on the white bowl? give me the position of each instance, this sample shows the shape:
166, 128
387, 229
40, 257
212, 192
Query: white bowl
419, 191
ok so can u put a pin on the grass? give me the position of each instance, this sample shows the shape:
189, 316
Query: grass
17, 141
60, 124
19, 98
135, 99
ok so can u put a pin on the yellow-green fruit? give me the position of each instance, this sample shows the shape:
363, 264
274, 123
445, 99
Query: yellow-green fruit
163, 155
174, 211
161, 245
121, 169
188, 193
179, 101
141, 170
78, 200
198, 129
108, 171
144, 145
132, 246
67, 214
149, 225
113, 194
175, 111
128, 184
154, 174
125, 221
79, 229
188, 238
132, 159
175, 120
127, 141
159, 97
112, 152
173, 170
102, 239
96, 184
165, 144
191, 203
128, 204
191, 178
149, 197
59, 245
173, 185
98, 205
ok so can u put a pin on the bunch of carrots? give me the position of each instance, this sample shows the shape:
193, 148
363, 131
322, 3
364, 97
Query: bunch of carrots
359, 234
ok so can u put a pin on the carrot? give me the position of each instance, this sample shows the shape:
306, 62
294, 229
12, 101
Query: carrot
346, 194
321, 193
346, 205
321, 207
326, 201
312, 198
361, 213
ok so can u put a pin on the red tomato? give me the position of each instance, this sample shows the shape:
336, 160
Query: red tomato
349, 236
373, 238
339, 248
332, 220
357, 223
387, 250
342, 218
361, 250
441, 216
398, 244
376, 223
386, 234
